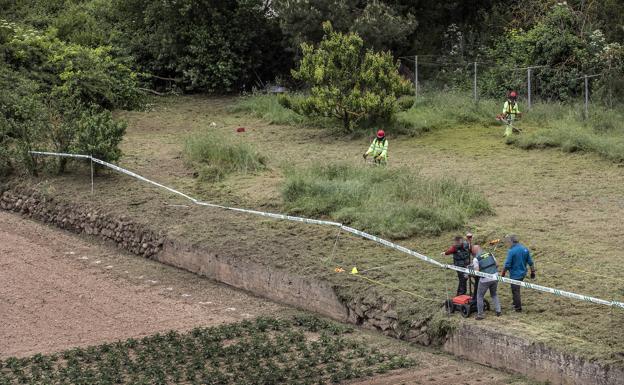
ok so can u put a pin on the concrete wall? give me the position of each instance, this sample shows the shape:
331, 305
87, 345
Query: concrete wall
535, 360
473, 342
264, 281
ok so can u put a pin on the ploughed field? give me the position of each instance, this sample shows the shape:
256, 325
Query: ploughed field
75, 311
566, 208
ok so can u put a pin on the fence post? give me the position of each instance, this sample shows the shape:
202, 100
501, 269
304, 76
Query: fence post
586, 96
91, 159
474, 86
416, 75
529, 87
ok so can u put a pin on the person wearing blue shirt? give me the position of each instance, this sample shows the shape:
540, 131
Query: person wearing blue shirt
518, 257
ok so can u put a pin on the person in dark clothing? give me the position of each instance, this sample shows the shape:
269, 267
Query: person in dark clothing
461, 257
518, 257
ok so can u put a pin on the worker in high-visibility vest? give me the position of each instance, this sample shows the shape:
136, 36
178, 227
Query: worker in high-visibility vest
378, 148
511, 112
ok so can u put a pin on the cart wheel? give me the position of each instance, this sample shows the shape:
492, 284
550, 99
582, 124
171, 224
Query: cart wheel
465, 311
448, 306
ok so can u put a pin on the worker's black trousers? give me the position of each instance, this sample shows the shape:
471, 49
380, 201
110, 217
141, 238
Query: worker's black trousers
461, 287
515, 293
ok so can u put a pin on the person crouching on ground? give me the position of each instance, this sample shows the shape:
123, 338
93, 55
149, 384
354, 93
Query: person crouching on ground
379, 148
485, 263
518, 257
461, 258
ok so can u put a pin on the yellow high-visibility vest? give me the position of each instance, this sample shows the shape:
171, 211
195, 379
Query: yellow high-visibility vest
511, 109
378, 148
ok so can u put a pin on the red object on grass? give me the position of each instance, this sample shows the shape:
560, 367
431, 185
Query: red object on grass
240, 129
462, 299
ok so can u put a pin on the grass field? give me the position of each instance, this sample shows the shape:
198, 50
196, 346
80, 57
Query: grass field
566, 207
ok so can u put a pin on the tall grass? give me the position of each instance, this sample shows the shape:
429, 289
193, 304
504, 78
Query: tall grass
267, 107
215, 157
436, 110
564, 127
392, 203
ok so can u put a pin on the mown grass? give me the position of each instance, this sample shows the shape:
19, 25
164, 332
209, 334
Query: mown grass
215, 156
547, 124
388, 202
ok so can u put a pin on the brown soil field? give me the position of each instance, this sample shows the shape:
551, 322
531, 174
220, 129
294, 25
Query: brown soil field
61, 290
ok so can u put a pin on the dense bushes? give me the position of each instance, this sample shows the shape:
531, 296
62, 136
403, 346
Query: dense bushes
89, 75
22, 120
207, 45
388, 202
56, 95
566, 51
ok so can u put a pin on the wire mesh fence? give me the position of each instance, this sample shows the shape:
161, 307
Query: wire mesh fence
483, 79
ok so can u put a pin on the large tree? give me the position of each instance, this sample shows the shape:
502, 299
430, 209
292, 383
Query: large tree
348, 82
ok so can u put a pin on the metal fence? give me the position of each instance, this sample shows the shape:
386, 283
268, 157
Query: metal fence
440, 73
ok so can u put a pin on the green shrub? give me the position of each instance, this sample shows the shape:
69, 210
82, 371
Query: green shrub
214, 156
391, 203
99, 135
348, 83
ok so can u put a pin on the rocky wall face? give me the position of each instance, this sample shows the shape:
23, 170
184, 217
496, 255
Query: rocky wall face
126, 234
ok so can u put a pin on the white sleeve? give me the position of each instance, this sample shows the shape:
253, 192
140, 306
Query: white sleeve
475, 264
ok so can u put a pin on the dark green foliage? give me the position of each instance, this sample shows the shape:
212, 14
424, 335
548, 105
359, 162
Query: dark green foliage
559, 42
99, 135
206, 45
388, 202
88, 75
23, 119
56, 96
263, 351
379, 24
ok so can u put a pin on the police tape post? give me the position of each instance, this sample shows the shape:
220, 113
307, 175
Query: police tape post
362, 234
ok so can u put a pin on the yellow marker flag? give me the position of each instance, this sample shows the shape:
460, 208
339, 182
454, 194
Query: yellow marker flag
354, 270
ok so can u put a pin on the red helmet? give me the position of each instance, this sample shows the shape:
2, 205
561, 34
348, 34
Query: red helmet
381, 134
513, 94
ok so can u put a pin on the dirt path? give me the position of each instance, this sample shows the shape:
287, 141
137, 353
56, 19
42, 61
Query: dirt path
57, 291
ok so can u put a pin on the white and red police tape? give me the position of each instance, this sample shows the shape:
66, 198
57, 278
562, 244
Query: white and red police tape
351, 230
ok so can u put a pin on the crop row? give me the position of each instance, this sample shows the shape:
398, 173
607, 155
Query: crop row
301, 350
